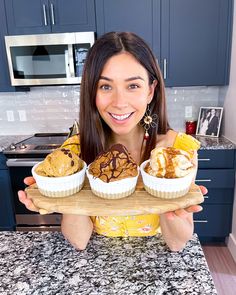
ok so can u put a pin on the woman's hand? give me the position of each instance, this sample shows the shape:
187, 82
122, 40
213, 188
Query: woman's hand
183, 213
23, 196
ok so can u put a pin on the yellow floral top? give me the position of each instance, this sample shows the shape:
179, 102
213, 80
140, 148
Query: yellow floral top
139, 225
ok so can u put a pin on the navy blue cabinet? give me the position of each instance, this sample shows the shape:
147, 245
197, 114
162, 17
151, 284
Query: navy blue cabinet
7, 221
191, 38
141, 17
196, 42
217, 173
5, 84
46, 16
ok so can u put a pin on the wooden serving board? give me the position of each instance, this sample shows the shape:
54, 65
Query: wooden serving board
86, 203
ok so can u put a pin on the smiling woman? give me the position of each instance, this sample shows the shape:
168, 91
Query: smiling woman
122, 93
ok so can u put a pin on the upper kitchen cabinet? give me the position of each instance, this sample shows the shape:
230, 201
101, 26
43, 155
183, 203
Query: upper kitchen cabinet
49, 16
141, 17
190, 38
5, 83
196, 41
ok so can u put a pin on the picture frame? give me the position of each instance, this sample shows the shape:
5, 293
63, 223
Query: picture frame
209, 121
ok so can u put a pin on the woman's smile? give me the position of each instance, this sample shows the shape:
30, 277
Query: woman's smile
121, 117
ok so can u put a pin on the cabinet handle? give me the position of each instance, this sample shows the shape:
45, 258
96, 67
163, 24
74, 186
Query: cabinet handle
203, 180
201, 221
206, 197
203, 159
45, 15
165, 68
52, 14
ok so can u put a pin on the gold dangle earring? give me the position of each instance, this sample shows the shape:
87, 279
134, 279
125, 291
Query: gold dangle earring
149, 121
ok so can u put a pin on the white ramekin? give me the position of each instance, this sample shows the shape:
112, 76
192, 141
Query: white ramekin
112, 190
166, 188
60, 186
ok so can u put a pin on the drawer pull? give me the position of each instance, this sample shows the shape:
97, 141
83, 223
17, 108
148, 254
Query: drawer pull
202, 159
201, 221
203, 180
206, 197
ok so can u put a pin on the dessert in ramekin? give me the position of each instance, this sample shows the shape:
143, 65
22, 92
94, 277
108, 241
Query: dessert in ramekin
60, 174
169, 173
113, 174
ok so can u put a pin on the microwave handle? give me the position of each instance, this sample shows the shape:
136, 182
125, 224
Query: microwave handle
71, 61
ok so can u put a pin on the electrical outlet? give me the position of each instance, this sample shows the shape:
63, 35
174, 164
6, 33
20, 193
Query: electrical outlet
10, 116
22, 115
188, 111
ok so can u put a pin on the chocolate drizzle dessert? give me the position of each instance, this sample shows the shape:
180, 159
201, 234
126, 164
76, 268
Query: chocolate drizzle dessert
114, 164
113, 174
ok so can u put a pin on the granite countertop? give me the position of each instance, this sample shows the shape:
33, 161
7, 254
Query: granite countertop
45, 263
207, 143
215, 143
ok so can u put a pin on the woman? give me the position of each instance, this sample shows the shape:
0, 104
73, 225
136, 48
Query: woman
122, 85
204, 123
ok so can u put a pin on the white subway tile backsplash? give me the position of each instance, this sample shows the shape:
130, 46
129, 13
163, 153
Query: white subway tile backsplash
54, 108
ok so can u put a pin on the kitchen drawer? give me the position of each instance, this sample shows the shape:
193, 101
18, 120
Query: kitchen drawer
215, 178
216, 158
219, 196
213, 221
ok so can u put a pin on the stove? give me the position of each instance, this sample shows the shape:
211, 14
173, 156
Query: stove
40, 144
21, 157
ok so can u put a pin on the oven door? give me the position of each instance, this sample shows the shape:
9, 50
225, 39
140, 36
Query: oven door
27, 220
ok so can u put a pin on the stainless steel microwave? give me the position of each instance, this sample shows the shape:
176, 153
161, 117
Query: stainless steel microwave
47, 59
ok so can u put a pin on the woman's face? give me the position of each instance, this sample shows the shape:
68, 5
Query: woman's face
123, 93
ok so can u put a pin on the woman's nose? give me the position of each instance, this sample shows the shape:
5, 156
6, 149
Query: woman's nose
120, 99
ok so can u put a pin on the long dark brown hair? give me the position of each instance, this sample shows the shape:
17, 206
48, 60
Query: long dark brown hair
93, 130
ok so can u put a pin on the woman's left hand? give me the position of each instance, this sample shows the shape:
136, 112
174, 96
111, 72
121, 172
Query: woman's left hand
183, 213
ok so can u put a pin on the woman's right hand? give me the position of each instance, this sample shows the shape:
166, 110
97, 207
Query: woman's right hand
23, 196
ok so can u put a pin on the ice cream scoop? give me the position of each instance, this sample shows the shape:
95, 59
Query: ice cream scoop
114, 164
169, 162
61, 162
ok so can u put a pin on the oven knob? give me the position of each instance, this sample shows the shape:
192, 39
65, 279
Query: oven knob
12, 146
22, 146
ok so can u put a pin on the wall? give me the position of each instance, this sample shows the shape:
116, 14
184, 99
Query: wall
228, 94
53, 109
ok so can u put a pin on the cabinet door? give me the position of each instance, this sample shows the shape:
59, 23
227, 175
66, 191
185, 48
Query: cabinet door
72, 15
195, 44
6, 210
5, 83
27, 17
213, 221
141, 17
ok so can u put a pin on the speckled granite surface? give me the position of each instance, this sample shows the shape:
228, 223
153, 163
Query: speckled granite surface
206, 142
44, 263
215, 143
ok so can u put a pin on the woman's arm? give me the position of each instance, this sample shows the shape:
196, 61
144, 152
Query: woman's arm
177, 227
77, 229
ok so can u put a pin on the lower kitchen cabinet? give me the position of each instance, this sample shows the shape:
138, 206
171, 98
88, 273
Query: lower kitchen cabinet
216, 172
7, 220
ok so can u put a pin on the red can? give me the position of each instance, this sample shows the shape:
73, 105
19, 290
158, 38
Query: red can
191, 127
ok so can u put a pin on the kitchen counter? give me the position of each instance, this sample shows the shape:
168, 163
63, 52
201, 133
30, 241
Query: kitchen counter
45, 263
207, 143
215, 143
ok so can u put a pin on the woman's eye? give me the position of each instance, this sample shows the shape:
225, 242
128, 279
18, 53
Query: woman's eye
105, 87
133, 86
